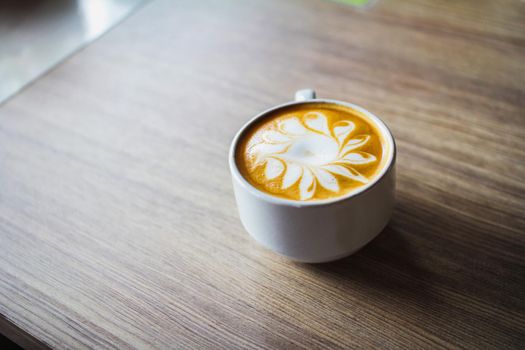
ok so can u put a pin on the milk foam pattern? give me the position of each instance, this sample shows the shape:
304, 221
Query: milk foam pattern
307, 151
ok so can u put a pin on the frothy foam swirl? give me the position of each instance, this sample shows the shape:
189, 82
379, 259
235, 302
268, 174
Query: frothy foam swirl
309, 154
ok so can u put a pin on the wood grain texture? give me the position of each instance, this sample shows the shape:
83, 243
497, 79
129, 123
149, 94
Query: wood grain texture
118, 226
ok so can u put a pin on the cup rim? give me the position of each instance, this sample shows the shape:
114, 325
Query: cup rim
385, 131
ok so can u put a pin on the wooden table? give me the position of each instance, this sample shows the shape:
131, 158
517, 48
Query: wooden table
118, 226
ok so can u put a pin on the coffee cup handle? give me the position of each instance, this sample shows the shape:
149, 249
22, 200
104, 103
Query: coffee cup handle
304, 95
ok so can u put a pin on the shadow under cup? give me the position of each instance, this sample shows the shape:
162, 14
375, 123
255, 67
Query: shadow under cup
318, 230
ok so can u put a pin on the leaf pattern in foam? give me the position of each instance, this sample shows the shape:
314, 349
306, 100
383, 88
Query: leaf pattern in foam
346, 172
292, 126
263, 150
272, 136
273, 153
327, 180
342, 129
354, 143
317, 121
358, 158
274, 168
292, 174
307, 184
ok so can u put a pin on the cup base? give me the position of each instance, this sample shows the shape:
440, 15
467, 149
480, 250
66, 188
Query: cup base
318, 260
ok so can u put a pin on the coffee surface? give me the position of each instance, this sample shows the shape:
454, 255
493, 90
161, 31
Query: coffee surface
310, 152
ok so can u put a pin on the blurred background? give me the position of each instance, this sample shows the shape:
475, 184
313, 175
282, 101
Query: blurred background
35, 35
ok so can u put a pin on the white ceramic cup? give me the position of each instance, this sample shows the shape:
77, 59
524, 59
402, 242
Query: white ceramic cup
320, 230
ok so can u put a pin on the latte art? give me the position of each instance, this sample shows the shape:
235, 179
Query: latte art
311, 154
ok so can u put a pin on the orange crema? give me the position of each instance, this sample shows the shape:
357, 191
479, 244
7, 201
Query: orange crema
311, 152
